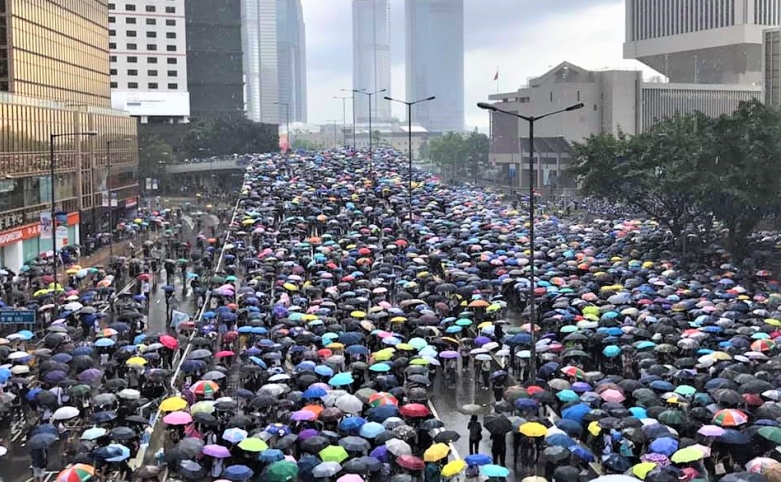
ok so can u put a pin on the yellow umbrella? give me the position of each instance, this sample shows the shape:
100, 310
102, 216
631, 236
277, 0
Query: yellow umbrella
290, 287
398, 319
485, 324
533, 429
358, 314
453, 468
436, 452
405, 347
136, 360
173, 404
493, 307
594, 428
204, 407
71, 271
335, 346
383, 355
642, 469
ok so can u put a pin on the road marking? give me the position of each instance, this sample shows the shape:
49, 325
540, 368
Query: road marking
453, 450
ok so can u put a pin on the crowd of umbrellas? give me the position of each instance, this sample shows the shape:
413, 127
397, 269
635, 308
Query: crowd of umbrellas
333, 315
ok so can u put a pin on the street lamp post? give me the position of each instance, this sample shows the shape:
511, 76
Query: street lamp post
52, 140
108, 188
344, 118
409, 142
370, 95
353, 98
531, 120
287, 123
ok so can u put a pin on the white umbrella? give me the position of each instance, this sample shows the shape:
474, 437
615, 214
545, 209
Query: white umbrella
65, 413
349, 404
20, 370
398, 447
279, 377
274, 389
73, 306
129, 394
490, 346
18, 355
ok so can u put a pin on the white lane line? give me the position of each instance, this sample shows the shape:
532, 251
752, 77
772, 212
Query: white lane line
453, 450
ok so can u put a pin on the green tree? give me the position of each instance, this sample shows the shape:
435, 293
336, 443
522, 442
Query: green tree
153, 154
230, 134
460, 155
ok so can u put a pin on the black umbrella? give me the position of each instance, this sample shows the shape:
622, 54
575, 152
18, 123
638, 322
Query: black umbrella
497, 424
448, 436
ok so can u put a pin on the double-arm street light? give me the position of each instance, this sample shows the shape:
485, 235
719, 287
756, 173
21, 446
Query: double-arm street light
344, 118
287, 123
108, 188
409, 142
353, 98
531, 120
52, 147
370, 95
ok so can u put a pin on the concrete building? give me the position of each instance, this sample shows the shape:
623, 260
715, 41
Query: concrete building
43, 94
371, 59
291, 59
771, 57
261, 69
148, 54
435, 62
700, 41
214, 57
614, 101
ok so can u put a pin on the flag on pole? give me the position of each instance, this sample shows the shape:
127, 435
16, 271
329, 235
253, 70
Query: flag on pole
496, 77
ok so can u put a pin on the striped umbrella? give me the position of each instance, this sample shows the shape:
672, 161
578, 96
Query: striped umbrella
382, 398
763, 345
730, 418
77, 473
204, 387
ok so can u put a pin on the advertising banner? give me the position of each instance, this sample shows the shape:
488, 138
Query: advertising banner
47, 225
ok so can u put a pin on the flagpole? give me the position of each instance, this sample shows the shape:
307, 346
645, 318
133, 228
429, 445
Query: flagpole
497, 80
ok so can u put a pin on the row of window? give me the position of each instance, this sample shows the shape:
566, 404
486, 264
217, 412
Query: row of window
151, 73
150, 34
148, 8
133, 46
169, 22
149, 60
150, 85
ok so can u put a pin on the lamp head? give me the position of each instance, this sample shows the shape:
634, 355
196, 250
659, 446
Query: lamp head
577, 106
487, 106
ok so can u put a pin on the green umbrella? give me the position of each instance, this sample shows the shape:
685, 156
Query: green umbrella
671, 417
281, 471
333, 453
686, 390
771, 433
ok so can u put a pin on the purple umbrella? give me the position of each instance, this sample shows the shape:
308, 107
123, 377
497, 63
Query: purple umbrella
581, 387
481, 340
90, 375
303, 416
216, 451
307, 433
55, 376
449, 354
380, 453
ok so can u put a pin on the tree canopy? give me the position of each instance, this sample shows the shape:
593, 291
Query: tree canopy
230, 134
460, 155
692, 173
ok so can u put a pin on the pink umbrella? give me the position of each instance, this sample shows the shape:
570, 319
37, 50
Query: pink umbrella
350, 478
224, 354
216, 451
711, 431
177, 418
612, 395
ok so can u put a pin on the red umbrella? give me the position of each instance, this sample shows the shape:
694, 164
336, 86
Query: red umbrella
169, 342
230, 336
410, 462
415, 410
224, 354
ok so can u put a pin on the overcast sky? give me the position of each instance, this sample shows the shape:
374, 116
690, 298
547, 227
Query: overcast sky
522, 38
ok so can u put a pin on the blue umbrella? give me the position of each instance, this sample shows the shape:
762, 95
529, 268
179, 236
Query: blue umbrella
576, 412
567, 396
382, 413
492, 470
114, 453
237, 472
611, 351
271, 455
324, 370
560, 440
662, 385
341, 379
104, 342
277, 429
314, 392
664, 445
582, 453
371, 430
351, 423
478, 459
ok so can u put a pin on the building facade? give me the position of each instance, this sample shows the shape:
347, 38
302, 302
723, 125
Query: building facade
614, 101
291, 59
435, 62
42, 96
147, 42
260, 66
771, 57
214, 57
371, 59
700, 41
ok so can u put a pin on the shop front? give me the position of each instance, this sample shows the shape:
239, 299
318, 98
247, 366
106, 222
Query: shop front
25, 243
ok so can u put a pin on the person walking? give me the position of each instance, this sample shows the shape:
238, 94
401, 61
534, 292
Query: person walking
475, 435
499, 449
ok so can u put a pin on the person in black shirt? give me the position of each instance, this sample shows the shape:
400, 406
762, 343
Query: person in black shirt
475, 435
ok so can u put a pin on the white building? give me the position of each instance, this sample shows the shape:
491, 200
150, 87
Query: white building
291, 57
148, 60
613, 101
371, 59
261, 70
700, 41
771, 56
435, 62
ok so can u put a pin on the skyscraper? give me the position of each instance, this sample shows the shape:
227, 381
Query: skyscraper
371, 58
435, 62
701, 41
291, 58
259, 46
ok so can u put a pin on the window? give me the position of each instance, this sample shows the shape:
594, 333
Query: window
170, 35
551, 96
151, 73
151, 60
172, 60
112, 19
173, 86
111, 6
130, 7
151, 35
112, 45
172, 73
114, 85
151, 47
132, 85
152, 85
130, 20
151, 21
150, 8
132, 72
132, 33
132, 60
132, 47
170, 9
112, 33
112, 71
170, 48
169, 22
578, 96
112, 58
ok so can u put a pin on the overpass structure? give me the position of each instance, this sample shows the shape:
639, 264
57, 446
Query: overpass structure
238, 165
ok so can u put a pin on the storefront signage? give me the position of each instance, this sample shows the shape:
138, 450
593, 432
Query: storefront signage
22, 317
19, 234
131, 202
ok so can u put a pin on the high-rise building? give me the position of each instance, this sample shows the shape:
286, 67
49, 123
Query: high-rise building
772, 67
371, 59
55, 84
700, 41
435, 62
259, 46
291, 58
214, 57
147, 43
